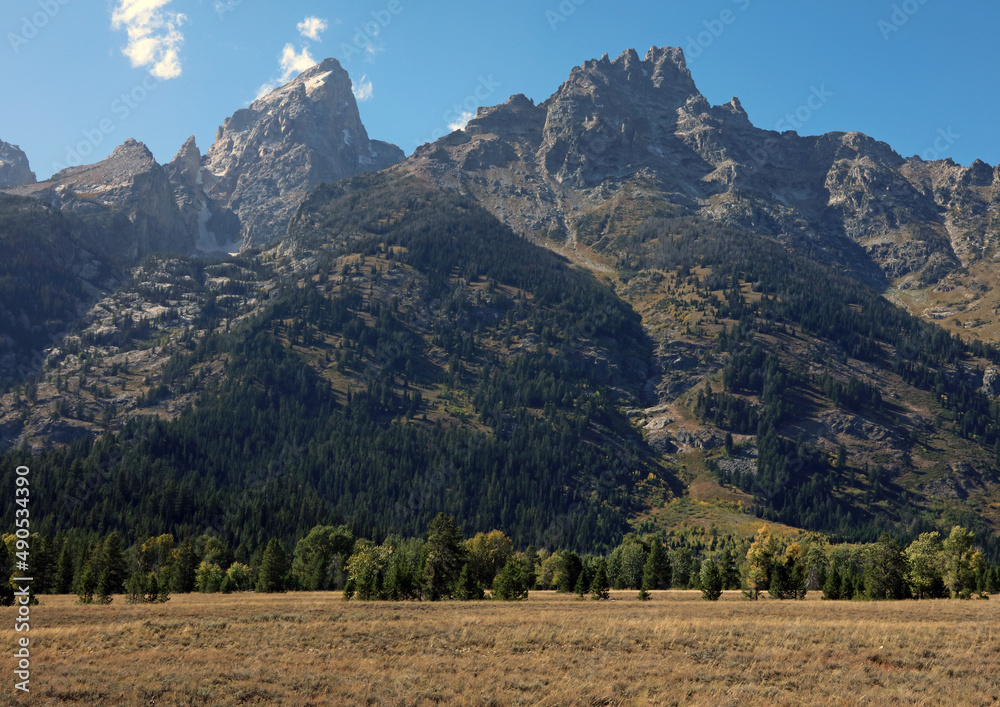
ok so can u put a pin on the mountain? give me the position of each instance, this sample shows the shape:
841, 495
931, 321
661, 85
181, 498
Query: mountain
267, 157
620, 309
638, 130
125, 201
14, 169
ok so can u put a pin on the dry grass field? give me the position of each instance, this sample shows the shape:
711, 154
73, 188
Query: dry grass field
315, 649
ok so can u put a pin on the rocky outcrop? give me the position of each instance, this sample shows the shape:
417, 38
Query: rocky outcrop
991, 382
125, 202
268, 156
14, 169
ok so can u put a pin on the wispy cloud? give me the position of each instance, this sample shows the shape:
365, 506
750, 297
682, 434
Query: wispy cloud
292, 63
462, 120
312, 27
154, 35
363, 90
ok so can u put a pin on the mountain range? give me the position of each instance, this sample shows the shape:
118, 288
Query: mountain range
619, 309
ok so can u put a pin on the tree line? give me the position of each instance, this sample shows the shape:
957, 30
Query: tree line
444, 564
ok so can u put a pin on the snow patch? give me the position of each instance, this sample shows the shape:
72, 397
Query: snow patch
347, 138
206, 239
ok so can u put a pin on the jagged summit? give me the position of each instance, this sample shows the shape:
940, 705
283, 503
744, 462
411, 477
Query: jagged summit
126, 196
267, 157
615, 124
14, 168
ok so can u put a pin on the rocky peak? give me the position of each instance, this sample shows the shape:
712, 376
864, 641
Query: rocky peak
618, 125
126, 198
187, 162
979, 174
268, 156
14, 168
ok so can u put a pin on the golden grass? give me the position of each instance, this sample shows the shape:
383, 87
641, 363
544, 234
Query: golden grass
315, 649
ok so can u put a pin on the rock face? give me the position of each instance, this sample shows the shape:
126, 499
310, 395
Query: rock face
125, 199
991, 382
14, 169
638, 128
267, 157
215, 228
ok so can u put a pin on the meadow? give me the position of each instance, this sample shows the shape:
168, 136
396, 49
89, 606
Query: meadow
316, 649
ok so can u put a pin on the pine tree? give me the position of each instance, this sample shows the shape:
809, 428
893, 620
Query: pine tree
184, 578
570, 569
467, 588
728, 569
711, 580
104, 587
64, 576
581, 585
643, 593
833, 587
445, 557
135, 588
509, 584
656, 572
86, 585
273, 568
600, 588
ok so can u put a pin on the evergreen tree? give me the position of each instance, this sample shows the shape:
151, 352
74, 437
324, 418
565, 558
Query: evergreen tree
728, 569
184, 578
656, 572
273, 568
509, 584
711, 580
64, 572
445, 557
788, 575
467, 588
833, 587
86, 585
582, 586
135, 588
600, 587
570, 569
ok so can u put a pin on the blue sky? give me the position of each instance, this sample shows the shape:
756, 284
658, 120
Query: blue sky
83, 75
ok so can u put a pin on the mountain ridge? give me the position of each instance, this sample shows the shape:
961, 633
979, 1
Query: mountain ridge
731, 337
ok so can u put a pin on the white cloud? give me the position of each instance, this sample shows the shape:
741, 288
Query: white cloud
154, 35
363, 89
312, 28
462, 121
292, 64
